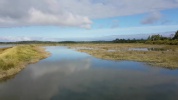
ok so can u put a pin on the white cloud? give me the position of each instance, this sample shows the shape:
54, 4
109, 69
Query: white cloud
106, 34
115, 24
13, 39
111, 8
68, 19
75, 13
24, 38
152, 18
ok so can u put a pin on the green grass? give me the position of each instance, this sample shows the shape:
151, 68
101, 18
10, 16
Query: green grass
14, 59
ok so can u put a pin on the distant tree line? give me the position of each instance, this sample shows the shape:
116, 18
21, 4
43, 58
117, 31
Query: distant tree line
53, 42
27, 42
153, 39
129, 40
158, 39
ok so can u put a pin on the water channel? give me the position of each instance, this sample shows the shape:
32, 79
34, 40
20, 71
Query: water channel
71, 75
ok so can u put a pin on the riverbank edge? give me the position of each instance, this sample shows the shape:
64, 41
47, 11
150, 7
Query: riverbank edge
152, 63
41, 53
164, 59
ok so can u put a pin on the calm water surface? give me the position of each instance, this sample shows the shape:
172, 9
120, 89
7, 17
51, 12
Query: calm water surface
5, 46
71, 75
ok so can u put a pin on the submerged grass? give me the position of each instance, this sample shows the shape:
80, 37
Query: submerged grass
166, 57
14, 59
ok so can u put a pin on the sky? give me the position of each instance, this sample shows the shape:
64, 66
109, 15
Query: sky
85, 20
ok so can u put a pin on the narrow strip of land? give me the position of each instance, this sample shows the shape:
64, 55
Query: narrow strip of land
156, 55
14, 59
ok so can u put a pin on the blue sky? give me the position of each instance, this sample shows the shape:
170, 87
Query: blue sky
59, 20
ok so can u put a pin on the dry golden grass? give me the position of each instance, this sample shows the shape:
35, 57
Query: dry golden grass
167, 58
2, 49
13, 60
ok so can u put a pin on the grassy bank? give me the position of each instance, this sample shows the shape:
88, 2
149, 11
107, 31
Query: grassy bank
156, 55
14, 59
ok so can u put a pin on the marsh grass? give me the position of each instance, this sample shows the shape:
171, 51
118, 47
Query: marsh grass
2, 49
167, 59
13, 60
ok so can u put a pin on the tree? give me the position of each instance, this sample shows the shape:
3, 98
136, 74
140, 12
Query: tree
156, 37
149, 38
175, 36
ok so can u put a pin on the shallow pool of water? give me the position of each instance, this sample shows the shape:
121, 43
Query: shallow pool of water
5, 46
148, 49
71, 75
83, 48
